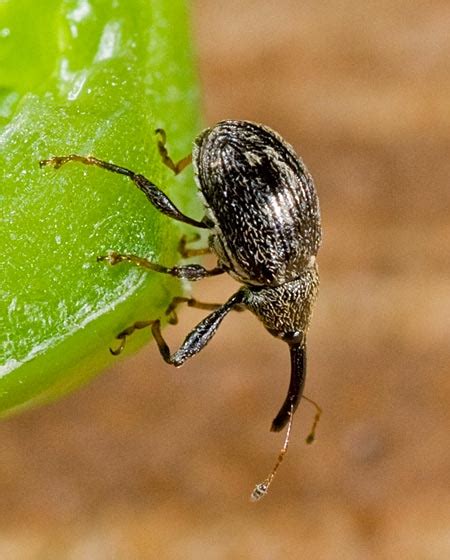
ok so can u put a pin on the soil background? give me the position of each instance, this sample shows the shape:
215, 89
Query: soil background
153, 462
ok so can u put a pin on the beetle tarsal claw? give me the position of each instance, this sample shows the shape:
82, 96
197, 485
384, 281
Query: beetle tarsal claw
56, 162
118, 350
111, 258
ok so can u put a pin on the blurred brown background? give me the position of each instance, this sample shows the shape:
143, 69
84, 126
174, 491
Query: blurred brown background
150, 462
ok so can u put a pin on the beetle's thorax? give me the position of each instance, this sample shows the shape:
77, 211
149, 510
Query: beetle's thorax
285, 310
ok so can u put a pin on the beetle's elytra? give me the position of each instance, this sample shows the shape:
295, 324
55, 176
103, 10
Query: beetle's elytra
263, 218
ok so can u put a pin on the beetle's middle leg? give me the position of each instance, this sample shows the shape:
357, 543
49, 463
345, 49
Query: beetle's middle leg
188, 271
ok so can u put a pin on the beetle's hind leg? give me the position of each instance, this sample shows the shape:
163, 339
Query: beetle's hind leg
198, 337
166, 159
122, 336
170, 313
191, 302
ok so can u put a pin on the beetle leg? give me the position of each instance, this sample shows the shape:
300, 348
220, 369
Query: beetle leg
191, 302
166, 159
122, 336
159, 200
189, 271
297, 382
199, 337
173, 319
186, 253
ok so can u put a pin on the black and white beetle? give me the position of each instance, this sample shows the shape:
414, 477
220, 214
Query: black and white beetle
262, 212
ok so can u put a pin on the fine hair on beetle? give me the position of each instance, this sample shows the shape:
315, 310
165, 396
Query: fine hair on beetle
263, 219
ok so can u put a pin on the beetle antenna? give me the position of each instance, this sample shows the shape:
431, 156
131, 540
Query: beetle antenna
262, 488
312, 434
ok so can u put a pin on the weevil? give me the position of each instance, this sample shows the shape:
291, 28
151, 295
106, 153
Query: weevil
263, 218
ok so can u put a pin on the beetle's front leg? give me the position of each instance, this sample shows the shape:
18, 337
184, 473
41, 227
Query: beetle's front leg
153, 193
189, 271
199, 337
